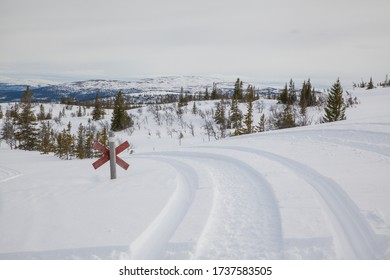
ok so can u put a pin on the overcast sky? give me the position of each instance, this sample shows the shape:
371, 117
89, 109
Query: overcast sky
263, 40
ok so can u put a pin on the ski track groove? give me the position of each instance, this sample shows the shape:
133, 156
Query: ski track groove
9, 174
269, 240
152, 242
356, 230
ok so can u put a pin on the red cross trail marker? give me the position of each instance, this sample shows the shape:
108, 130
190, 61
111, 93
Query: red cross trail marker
112, 157
104, 158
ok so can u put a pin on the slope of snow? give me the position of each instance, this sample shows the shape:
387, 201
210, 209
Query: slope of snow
317, 192
30, 82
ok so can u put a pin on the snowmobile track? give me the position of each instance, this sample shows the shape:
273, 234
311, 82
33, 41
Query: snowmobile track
355, 229
7, 174
152, 243
263, 236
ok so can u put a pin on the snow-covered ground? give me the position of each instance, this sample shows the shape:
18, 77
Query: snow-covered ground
316, 192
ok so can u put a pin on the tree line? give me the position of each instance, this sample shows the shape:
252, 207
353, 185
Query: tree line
22, 129
291, 113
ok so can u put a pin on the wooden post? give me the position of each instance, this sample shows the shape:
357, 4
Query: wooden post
111, 143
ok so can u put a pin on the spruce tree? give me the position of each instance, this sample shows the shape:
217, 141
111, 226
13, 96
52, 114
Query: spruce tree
68, 146
214, 92
89, 152
27, 95
79, 112
194, 109
98, 111
370, 84
261, 125
1, 113
283, 97
235, 116
59, 147
219, 117
238, 93
292, 97
120, 119
41, 115
335, 106
206, 94
8, 130
80, 146
45, 143
248, 118
26, 130
287, 118
104, 137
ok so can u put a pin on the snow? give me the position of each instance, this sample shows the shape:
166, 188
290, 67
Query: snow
315, 192
31, 82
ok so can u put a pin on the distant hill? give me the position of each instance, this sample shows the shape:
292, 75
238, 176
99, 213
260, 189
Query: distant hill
86, 90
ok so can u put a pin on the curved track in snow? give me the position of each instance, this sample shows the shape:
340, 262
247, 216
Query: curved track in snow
370, 141
348, 222
244, 221
152, 243
7, 174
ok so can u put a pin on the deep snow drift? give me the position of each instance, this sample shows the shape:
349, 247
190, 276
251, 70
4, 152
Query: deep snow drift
317, 192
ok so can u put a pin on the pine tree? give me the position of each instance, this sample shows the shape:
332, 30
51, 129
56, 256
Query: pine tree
248, 118
235, 116
104, 137
45, 143
90, 139
27, 95
8, 130
287, 118
261, 125
59, 148
79, 112
183, 100
219, 117
283, 97
292, 97
238, 93
80, 146
98, 111
68, 146
194, 109
214, 92
26, 131
120, 119
206, 94
370, 84
335, 106
1, 113
41, 115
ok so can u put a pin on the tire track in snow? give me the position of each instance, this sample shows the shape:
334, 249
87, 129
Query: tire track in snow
152, 242
355, 229
370, 141
7, 174
244, 222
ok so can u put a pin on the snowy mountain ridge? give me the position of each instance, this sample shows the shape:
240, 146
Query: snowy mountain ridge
11, 90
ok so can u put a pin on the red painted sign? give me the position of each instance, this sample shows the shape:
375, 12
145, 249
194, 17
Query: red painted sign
106, 155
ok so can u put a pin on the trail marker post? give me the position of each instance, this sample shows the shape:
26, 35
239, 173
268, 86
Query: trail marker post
111, 155
111, 145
